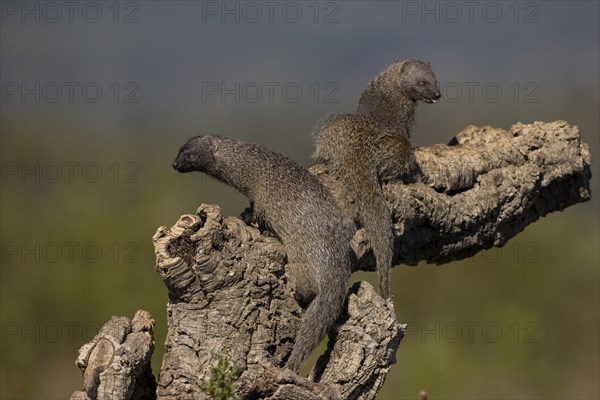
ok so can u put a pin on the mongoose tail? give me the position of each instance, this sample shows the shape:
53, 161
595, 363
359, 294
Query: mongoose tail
319, 318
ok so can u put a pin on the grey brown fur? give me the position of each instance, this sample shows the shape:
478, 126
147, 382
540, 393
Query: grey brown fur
373, 145
288, 201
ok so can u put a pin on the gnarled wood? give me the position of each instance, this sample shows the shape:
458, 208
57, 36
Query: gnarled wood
228, 287
116, 363
481, 190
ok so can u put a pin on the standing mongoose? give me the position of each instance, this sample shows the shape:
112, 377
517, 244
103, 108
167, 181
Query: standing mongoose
373, 145
290, 202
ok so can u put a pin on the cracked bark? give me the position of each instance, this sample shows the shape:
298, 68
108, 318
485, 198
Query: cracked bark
116, 363
228, 289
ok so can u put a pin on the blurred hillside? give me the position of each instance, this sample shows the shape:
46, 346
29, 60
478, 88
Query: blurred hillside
96, 102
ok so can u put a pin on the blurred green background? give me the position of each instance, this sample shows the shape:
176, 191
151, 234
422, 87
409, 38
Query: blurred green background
97, 97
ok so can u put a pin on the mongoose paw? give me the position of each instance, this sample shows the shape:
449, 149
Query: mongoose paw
246, 216
390, 302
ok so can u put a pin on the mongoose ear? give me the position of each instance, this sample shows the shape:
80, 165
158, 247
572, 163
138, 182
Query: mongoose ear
214, 145
403, 65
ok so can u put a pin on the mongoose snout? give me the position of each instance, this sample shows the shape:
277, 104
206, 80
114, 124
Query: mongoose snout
435, 97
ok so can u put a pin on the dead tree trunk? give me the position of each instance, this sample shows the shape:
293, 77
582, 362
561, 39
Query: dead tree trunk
228, 289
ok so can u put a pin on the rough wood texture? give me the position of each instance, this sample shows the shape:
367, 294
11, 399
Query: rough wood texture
116, 363
481, 190
228, 289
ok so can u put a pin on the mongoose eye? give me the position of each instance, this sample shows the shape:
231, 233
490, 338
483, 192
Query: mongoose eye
422, 83
192, 156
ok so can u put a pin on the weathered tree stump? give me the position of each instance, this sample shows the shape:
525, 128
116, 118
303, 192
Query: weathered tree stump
116, 363
228, 288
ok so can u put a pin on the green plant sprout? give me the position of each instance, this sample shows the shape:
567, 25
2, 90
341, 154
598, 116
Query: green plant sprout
221, 385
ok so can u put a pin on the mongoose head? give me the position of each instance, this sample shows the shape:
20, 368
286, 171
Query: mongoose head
416, 79
197, 154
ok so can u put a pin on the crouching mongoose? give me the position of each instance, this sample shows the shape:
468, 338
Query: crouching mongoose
373, 145
290, 202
